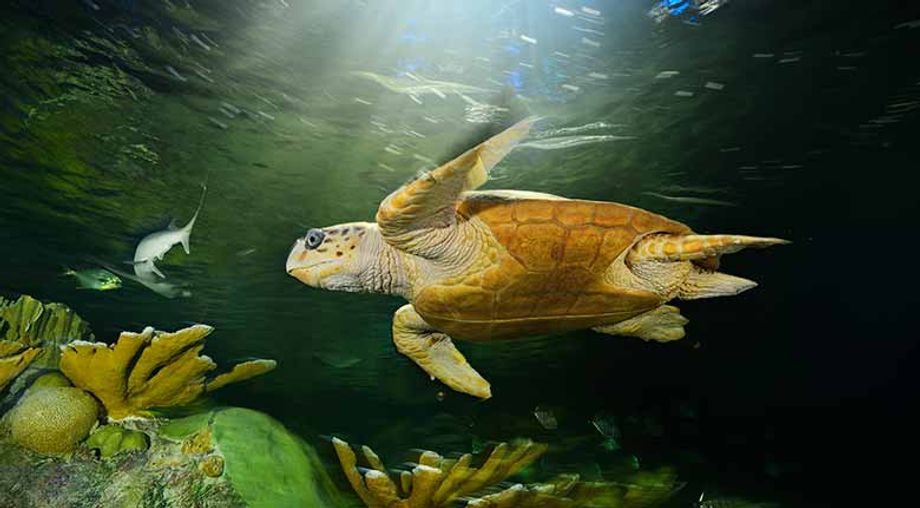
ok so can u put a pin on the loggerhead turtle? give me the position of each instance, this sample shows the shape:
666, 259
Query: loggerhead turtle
501, 264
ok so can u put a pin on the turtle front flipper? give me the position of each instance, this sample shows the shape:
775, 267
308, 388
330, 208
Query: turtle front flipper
436, 354
428, 203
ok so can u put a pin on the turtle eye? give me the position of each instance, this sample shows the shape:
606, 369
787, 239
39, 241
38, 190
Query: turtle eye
314, 238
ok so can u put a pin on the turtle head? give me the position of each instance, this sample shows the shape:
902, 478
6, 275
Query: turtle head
331, 257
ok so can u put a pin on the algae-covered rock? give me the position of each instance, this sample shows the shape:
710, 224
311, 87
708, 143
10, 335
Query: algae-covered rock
110, 440
52, 420
266, 465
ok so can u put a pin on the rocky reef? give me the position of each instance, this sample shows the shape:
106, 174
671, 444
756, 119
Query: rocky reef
435, 481
84, 426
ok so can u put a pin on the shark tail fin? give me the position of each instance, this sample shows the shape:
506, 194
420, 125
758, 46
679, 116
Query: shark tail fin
191, 222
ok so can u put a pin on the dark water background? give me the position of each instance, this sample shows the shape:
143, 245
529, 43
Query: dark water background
800, 391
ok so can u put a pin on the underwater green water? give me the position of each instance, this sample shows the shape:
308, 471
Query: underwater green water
772, 118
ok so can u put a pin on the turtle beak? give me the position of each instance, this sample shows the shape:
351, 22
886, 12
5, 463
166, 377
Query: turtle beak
310, 266
296, 257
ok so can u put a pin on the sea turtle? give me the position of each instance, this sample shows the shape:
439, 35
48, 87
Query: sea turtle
500, 264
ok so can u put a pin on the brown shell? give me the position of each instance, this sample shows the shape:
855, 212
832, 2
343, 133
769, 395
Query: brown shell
544, 271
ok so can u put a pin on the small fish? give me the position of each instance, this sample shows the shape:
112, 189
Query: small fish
909, 24
337, 360
175, 73
154, 246
588, 30
563, 12
230, 107
95, 278
607, 427
546, 418
691, 200
199, 42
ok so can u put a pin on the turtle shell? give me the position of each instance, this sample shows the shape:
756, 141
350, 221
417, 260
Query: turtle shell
541, 267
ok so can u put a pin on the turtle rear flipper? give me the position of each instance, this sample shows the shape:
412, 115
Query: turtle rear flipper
683, 266
702, 283
662, 324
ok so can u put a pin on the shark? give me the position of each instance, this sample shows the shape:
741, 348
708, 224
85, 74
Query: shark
154, 246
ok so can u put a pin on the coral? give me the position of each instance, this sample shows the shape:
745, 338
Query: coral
52, 420
50, 379
111, 440
438, 482
36, 324
212, 465
149, 370
199, 443
435, 481
241, 372
566, 491
14, 358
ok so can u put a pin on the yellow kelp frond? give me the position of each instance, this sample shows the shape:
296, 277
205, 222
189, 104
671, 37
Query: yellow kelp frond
241, 372
146, 370
435, 481
14, 358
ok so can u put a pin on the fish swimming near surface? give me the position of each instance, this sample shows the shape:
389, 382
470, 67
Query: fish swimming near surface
95, 278
154, 246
